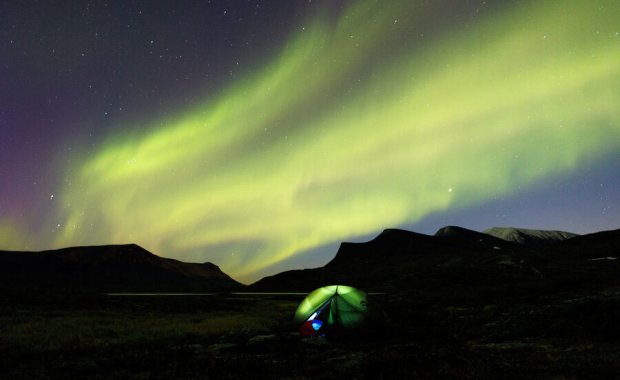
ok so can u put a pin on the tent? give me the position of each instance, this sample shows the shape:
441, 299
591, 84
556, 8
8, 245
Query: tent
337, 308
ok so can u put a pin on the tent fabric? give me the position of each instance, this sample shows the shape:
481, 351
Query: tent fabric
336, 306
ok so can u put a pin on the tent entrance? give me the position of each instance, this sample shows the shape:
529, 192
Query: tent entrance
318, 321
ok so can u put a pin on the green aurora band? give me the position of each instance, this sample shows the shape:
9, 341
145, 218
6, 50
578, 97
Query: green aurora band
351, 130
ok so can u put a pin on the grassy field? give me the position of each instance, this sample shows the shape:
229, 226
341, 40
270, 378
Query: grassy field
138, 337
46, 336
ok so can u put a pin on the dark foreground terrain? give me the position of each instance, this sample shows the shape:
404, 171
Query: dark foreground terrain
430, 335
513, 303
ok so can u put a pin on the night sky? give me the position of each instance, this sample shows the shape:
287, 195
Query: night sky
258, 135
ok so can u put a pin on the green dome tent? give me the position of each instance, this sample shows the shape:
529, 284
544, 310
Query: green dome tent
336, 307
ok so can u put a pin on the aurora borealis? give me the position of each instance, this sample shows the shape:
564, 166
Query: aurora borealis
348, 118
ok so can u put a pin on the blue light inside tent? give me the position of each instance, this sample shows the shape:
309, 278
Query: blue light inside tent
316, 324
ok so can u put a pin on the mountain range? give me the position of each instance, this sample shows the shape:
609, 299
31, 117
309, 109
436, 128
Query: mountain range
498, 259
506, 259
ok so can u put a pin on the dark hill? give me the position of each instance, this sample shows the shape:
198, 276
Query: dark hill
598, 245
390, 243
107, 268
